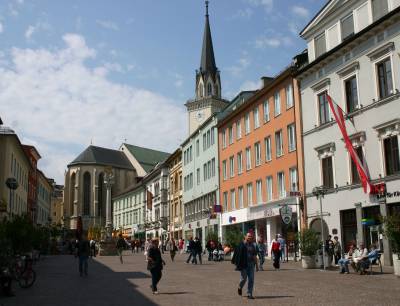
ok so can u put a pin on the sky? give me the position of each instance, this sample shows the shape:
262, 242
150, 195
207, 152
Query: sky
81, 72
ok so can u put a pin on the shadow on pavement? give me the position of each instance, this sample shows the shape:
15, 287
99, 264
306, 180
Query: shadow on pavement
58, 284
272, 297
174, 293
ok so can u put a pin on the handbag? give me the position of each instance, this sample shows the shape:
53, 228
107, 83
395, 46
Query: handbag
151, 265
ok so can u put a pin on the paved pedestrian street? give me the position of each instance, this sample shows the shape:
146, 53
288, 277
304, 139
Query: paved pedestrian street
113, 284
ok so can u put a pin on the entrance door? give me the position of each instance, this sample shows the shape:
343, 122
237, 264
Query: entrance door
349, 228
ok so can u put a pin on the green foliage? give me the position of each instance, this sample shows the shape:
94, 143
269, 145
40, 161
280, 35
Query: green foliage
391, 229
233, 237
309, 242
212, 236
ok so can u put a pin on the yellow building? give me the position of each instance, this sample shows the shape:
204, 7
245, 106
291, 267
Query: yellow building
57, 205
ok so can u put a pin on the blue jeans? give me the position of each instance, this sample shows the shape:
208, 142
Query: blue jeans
344, 265
261, 255
83, 265
247, 273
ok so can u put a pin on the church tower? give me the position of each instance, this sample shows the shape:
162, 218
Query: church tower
208, 84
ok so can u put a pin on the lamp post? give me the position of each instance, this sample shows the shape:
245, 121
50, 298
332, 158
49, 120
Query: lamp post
319, 192
108, 181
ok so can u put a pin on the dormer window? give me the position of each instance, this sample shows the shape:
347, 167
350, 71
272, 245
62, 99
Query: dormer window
347, 25
379, 9
320, 45
209, 89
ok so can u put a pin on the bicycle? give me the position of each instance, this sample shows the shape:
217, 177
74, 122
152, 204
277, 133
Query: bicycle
22, 271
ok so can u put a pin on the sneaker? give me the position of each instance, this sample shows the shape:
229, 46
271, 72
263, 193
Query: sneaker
155, 292
250, 297
240, 291
347, 272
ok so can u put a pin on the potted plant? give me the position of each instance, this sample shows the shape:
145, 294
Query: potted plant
391, 229
309, 245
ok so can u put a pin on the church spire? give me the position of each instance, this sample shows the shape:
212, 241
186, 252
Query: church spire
207, 54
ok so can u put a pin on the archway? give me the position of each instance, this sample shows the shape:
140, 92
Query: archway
316, 226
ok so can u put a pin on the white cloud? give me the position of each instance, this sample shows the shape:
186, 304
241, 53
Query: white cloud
251, 85
54, 98
273, 42
267, 4
29, 32
243, 13
300, 11
32, 29
241, 64
1, 28
107, 24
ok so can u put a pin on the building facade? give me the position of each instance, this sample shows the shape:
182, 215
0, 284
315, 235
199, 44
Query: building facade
260, 167
57, 205
353, 51
44, 195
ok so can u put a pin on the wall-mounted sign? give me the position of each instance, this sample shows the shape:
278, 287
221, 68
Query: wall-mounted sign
232, 219
286, 214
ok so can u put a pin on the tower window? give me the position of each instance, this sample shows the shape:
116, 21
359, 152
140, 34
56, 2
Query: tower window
209, 89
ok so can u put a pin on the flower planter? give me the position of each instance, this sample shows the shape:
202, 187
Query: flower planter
308, 262
396, 264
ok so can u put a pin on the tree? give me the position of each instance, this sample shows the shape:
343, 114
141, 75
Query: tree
391, 229
233, 237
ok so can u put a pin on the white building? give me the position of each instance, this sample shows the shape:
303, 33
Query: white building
353, 56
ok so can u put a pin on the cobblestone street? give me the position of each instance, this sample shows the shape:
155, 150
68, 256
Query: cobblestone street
109, 283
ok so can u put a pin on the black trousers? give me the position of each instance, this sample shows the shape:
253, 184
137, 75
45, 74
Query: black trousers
155, 278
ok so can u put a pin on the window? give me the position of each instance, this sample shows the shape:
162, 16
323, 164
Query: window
230, 135
249, 194
257, 152
209, 169
385, 83
233, 199
213, 167
278, 143
391, 148
320, 45
323, 108
277, 105
293, 179
191, 180
347, 25
292, 137
198, 176
197, 147
225, 200
232, 166
212, 136
208, 139
190, 153
268, 149
269, 188
224, 170
248, 158
266, 111
240, 196
355, 178
238, 130
223, 139
209, 89
327, 172
351, 94
204, 141
240, 162
256, 118
281, 185
379, 8
86, 193
289, 96
247, 123
259, 191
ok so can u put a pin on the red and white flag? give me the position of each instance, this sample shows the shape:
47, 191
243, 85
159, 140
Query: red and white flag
361, 169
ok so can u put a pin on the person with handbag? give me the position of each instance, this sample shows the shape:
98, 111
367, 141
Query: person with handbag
155, 265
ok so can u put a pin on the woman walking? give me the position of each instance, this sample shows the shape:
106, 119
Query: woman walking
155, 265
172, 248
276, 252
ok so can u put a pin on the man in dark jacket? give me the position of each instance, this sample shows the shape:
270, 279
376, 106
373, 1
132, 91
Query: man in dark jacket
198, 249
245, 259
83, 252
191, 250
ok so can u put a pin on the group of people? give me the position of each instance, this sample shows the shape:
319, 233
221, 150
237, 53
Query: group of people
195, 250
359, 258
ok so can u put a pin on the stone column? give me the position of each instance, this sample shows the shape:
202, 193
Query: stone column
360, 233
387, 250
109, 181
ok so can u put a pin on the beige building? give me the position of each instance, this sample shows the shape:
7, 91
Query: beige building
44, 192
13, 164
174, 163
57, 205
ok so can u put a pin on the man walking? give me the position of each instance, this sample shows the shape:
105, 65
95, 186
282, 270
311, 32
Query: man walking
120, 247
245, 258
191, 250
198, 249
83, 252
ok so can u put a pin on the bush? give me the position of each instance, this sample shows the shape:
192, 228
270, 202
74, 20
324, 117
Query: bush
391, 229
309, 242
233, 237
213, 236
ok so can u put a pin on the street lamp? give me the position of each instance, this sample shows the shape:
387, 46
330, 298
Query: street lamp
319, 193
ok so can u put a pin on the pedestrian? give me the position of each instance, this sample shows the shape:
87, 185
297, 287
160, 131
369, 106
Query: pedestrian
282, 243
92, 248
210, 246
276, 252
198, 249
83, 252
120, 247
133, 246
337, 249
329, 249
155, 265
181, 245
261, 253
172, 248
245, 258
190, 249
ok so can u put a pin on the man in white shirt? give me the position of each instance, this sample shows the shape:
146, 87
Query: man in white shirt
357, 258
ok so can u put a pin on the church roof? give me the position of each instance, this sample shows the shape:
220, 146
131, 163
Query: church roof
147, 158
207, 54
103, 156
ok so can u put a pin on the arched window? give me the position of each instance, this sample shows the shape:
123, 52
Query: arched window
86, 194
100, 195
72, 194
201, 90
209, 89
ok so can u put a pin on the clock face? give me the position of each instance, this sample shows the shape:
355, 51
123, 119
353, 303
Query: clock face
199, 116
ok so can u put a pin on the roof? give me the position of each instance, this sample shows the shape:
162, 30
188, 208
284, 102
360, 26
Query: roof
315, 17
147, 158
102, 156
207, 63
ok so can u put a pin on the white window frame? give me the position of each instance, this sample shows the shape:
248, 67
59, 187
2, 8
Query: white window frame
238, 129
292, 171
223, 135
266, 111
268, 148
259, 197
248, 158
281, 144
247, 125
240, 196
233, 199
375, 63
277, 102
257, 153
225, 200
249, 187
291, 99
269, 188
232, 166
281, 192
291, 146
230, 135
224, 170
240, 162
256, 118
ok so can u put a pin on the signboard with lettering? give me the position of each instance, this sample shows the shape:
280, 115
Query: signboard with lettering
286, 214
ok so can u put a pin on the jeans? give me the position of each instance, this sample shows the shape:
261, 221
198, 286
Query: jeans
261, 255
283, 253
155, 278
83, 265
197, 254
191, 255
344, 265
247, 273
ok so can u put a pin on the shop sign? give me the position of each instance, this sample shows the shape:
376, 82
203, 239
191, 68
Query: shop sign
286, 214
388, 195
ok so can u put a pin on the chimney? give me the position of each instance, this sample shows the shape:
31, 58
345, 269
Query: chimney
265, 81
